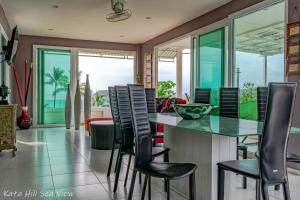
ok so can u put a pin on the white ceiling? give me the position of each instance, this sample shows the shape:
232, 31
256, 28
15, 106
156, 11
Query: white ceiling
85, 19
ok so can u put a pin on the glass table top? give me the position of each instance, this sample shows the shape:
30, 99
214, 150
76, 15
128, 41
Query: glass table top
213, 125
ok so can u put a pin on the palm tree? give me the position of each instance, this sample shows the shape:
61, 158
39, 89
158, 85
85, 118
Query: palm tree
59, 80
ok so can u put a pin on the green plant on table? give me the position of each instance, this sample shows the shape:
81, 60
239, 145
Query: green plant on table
165, 89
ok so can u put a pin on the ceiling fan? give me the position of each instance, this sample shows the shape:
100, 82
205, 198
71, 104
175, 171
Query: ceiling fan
119, 13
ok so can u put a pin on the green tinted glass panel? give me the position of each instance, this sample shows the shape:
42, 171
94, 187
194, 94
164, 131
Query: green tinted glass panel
53, 78
195, 60
211, 62
3, 65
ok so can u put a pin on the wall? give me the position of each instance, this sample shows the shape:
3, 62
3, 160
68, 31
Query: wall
25, 49
294, 16
4, 23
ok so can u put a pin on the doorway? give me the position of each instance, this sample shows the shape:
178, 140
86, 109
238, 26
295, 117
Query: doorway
53, 77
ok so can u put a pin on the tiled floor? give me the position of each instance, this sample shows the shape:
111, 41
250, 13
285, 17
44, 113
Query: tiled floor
53, 163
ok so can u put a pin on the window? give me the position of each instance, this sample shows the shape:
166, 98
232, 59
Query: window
186, 72
167, 65
258, 50
105, 69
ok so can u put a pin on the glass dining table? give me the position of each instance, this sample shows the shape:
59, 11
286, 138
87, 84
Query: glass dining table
205, 142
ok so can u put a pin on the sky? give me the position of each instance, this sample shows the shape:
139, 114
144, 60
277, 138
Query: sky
104, 72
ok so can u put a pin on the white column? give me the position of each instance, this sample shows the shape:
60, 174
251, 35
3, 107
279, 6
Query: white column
265, 69
179, 72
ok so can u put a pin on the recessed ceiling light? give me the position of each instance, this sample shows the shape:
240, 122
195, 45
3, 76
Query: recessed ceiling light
121, 35
50, 29
55, 6
147, 17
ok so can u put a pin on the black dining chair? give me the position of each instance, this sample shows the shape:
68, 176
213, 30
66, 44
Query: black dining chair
151, 105
116, 120
270, 168
127, 144
230, 107
144, 162
202, 95
262, 96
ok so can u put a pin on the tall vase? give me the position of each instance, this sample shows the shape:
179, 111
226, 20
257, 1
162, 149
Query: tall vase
68, 109
77, 107
87, 99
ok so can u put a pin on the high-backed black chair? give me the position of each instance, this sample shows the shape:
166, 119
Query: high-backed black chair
127, 144
270, 169
116, 120
262, 96
202, 95
151, 100
230, 107
151, 105
143, 145
229, 102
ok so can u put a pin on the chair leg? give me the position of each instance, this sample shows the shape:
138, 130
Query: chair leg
118, 172
144, 187
221, 177
118, 157
166, 159
192, 186
286, 191
127, 172
149, 188
277, 187
111, 159
265, 192
132, 185
258, 191
140, 178
245, 156
168, 189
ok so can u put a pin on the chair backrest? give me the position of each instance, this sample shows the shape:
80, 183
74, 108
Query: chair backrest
229, 102
202, 95
151, 101
125, 116
262, 96
113, 104
280, 105
114, 111
141, 126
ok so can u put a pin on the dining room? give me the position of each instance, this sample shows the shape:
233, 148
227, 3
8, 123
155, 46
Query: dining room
164, 100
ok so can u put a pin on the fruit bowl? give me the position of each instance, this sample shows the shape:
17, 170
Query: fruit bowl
193, 110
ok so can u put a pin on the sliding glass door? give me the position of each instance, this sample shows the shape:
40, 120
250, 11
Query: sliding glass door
258, 53
211, 62
53, 78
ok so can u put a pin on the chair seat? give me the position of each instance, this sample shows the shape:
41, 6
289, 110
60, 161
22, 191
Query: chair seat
167, 170
248, 168
156, 151
291, 157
